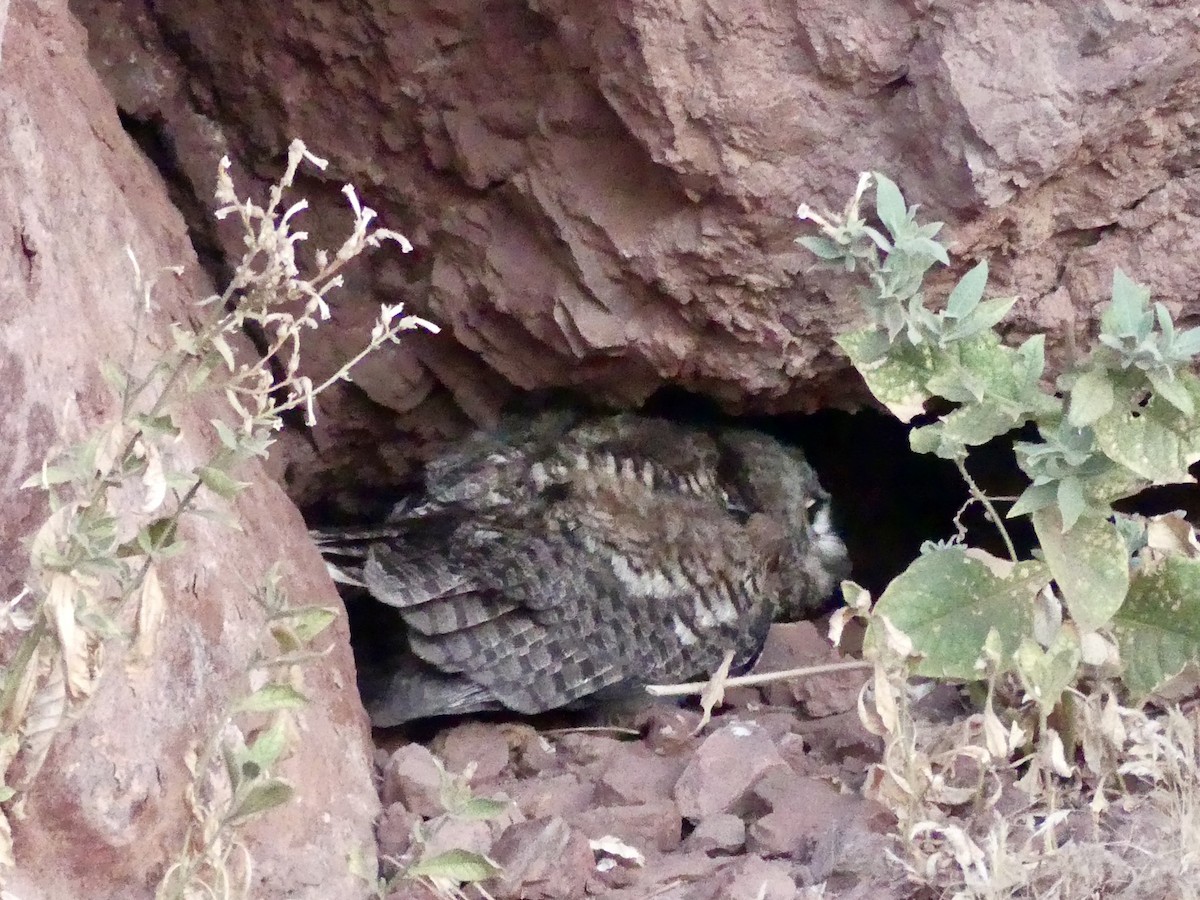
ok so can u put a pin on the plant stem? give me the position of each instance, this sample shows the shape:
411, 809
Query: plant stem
992, 514
16, 668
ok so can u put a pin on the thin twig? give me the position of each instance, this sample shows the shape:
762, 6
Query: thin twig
693, 688
594, 729
992, 514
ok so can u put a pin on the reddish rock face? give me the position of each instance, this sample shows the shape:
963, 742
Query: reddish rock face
602, 193
107, 812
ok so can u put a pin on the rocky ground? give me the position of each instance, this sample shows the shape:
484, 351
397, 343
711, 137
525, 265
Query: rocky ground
764, 804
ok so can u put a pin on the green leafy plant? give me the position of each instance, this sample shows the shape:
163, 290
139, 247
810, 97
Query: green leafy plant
233, 775
117, 496
1104, 611
443, 871
1104, 593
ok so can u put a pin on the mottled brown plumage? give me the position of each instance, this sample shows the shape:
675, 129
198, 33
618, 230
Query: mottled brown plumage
565, 559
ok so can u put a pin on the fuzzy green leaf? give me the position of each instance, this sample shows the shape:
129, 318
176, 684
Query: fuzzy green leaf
227, 436
1173, 390
1091, 398
482, 808
1032, 359
219, 482
1089, 563
1129, 311
301, 624
822, 247
266, 748
981, 368
877, 239
459, 866
947, 603
270, 698
49, 475
984, 318
163, 426
115, 376
968, 292
890, 205
1187, 344
260, 797
1157, 443
968, 426
1045, 674
309, 621
1071, 502
1034, 497
925, 248
897, 381
157, 535
1158, 627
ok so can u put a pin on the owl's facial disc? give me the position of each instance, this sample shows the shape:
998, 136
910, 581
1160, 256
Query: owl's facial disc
829, 562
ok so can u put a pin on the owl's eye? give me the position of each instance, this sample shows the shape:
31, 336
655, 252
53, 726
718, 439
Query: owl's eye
738, 510
821, 520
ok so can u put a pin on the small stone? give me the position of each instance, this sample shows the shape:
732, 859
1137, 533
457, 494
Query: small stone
719, 833
511, 814
474, 742
796, 751
542, 859
675, 876
587, 749
558, 795
794, 645
801, 810
635, 774
532, 753
380, 759
753, 878
394, 831
725, 769
472, 835
669, 730
656, 825
412, 777
775, 721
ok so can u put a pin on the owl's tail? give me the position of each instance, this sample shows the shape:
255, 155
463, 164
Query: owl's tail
345, 550
405, 689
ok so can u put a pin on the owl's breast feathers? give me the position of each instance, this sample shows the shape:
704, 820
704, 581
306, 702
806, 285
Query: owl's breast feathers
553, 563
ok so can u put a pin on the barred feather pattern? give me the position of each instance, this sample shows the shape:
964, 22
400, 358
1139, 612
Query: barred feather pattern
563, 559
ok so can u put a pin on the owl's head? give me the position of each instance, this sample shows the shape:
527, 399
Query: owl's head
774, 479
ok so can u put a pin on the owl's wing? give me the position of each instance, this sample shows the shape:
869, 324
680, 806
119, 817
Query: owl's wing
578, 560
520, 621
614, 586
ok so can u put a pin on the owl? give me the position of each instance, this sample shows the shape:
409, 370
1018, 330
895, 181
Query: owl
563, 560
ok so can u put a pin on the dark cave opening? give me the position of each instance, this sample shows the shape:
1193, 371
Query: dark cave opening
887, 500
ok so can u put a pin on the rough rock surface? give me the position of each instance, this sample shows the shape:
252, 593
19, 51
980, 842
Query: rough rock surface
108, 809
602, 193
734, 812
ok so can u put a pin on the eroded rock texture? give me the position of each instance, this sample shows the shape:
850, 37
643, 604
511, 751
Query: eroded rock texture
602, 193
107, 814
